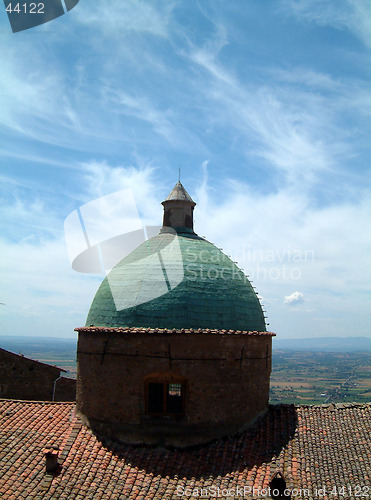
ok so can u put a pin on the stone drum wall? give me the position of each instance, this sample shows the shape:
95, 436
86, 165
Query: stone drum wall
171, 387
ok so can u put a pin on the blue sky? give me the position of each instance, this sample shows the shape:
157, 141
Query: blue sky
265, 106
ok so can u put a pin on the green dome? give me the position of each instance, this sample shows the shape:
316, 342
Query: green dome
177, 281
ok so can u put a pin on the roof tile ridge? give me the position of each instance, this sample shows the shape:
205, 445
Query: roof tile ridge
166, 330
38, 401
70, 436
67, 443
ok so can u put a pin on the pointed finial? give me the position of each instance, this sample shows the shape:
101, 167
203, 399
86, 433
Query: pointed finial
179, 175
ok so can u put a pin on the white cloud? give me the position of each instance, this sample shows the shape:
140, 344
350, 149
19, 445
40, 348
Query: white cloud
40, 289
33, 98
43, 103
280, 239
101, 179
295, 129
284, 242
353, 15
117, 18
308, 78
141, 86
294, 299
143, 109
25, 90
43, 294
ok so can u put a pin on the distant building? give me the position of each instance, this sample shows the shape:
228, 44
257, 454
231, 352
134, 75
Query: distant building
172, 394
23, 378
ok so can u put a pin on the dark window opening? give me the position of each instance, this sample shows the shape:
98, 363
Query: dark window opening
165, 398
155, 398
278, 487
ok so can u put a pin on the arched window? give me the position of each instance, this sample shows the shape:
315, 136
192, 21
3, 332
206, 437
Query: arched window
164, 394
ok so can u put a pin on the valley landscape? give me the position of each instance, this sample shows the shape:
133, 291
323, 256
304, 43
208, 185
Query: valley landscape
304, 371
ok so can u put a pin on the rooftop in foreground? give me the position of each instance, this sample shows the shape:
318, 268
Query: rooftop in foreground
313, 446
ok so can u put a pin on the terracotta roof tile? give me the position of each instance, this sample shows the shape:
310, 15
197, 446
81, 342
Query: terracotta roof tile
128, 329
313, 447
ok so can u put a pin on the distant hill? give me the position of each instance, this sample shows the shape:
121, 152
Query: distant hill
33, 346
324, 344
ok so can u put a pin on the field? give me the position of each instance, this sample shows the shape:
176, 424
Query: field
58, 352
315, 377
300, 376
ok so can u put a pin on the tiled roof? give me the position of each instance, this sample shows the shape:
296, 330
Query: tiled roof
127, 329
313, 446
179, 193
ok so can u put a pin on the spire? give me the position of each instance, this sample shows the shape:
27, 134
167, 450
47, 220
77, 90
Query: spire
178, 210
179, 194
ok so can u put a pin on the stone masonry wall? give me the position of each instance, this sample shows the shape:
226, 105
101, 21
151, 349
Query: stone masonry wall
227, 383
23, 378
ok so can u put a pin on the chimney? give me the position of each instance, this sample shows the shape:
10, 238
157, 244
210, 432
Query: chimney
51, 458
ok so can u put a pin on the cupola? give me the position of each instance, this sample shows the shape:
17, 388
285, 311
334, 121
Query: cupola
178, 210
175, 350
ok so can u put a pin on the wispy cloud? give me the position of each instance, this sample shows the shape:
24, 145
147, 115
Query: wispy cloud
117, 18
290, 128
307, 77
280, 239
352, 15
25, 89
39, 289
33, 98
143, 109
102, 179
39, 285
272, 148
